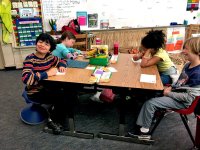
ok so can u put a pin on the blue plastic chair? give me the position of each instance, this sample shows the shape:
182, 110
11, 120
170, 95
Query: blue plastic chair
34, 113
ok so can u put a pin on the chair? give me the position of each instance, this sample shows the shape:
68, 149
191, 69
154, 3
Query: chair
197, 137
182, 113
81, 42
34, 113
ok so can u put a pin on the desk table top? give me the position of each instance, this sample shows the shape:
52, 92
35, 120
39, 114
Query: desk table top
127, 75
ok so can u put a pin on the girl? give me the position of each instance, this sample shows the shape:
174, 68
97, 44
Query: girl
64, 49
153, 53
39, 66
189, 82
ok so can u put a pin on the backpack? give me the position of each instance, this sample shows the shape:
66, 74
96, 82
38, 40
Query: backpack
73, 26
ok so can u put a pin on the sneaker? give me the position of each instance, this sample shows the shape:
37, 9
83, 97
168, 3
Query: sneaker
95, 97
56, 128
140, 135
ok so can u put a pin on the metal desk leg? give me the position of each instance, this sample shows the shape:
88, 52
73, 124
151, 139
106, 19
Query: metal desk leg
72, 131
121, 135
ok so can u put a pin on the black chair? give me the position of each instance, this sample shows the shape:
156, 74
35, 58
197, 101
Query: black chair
34, 113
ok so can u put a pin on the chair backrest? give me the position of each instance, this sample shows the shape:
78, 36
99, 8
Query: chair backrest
81, 42
190, 109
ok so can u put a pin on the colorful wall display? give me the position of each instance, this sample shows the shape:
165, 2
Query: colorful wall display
27, 21
192, 5
175, 38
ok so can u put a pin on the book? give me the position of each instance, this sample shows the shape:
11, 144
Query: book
92, 20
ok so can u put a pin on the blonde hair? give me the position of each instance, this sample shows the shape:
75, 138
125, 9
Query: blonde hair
193, 44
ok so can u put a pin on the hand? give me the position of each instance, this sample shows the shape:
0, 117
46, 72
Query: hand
136, 57
52, 72
62, 69
75, 53
167, 90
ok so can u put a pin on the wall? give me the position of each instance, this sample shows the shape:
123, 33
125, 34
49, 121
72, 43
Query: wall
137, 13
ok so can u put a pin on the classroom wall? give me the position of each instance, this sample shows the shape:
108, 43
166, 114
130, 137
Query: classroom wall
137, 13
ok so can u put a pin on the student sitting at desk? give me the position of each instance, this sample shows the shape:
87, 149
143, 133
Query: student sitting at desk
64, 48
153, 53
39, 66
180, 95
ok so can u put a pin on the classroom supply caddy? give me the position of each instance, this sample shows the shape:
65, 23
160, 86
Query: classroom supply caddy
98, 55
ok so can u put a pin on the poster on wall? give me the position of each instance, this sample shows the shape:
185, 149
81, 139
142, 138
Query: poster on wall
175, 39
192, 5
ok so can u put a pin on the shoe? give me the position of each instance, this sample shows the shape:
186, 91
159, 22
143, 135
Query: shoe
96, 98
56, 128
140, 135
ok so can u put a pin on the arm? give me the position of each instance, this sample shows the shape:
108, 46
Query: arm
147, 61
29, 75
182, 96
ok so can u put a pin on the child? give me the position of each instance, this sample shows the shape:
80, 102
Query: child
39, 66
153, 53
189, 81
64, 49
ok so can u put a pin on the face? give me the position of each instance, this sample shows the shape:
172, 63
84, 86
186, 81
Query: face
152, 51
188, 54
42, 47
69, 43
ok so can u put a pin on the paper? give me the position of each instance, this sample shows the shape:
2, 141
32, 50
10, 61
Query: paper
148, 78
60, 73
90, 68
114, 59
108, 69
19, 5
112, 69
25, 4
30, 3
35, 4
14, 5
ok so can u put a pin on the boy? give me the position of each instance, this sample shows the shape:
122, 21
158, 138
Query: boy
39, 66
189, 81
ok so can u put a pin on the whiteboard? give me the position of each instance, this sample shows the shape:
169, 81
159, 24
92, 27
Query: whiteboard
137, 13
61, 10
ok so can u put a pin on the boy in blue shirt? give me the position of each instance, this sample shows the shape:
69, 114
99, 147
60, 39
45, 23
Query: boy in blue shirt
189, 80
64, 49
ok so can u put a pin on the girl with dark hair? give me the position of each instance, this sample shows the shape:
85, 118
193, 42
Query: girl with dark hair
153, 53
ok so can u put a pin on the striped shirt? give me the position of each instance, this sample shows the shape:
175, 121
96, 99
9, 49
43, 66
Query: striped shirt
34, 70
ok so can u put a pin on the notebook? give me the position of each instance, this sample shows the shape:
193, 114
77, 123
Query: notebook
76, 64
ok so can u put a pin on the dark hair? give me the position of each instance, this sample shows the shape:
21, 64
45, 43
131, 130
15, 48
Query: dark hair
154, 39
66, 34
48, 39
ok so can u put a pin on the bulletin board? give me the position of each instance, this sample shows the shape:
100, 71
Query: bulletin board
126, 13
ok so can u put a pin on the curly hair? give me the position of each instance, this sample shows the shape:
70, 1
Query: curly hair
154, 39
48, 39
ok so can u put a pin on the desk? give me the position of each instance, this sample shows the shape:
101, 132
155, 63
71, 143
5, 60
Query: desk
126, 78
